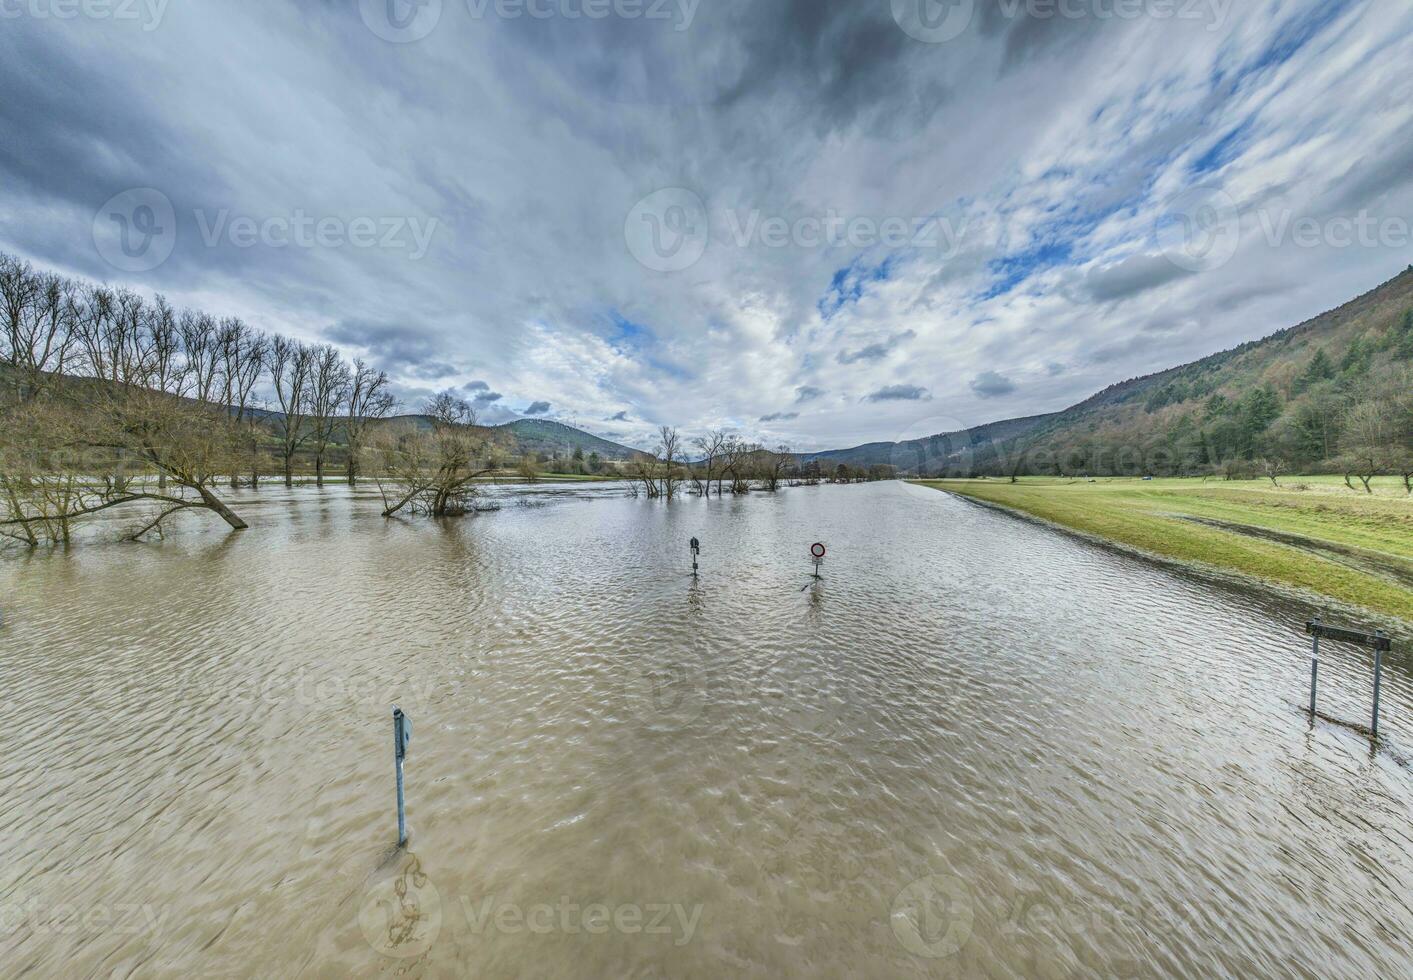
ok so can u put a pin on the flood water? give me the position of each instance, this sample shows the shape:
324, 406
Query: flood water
976, 747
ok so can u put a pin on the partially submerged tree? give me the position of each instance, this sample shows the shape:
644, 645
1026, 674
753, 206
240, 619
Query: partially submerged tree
242, 353
330, 384
290, 364
431, 469
772, 466
369, 401
711, 446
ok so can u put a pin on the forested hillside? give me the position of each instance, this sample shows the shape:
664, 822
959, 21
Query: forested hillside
1333, 394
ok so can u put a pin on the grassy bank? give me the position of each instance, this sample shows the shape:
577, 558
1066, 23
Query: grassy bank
1312, 533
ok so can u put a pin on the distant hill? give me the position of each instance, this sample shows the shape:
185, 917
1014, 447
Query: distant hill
558, 439
1283, 396
542, 436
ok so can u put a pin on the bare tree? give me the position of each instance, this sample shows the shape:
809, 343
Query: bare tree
369, 401
773, 466
290, 364
243, 355
711, 446
96, 428
37, 338
330, 384
739, 455
1274, 468
669, 452
1367, 441
431, 470
202, 353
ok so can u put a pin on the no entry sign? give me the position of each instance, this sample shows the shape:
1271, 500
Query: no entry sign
818, 550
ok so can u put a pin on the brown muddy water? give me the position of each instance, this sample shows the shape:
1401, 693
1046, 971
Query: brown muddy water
977, 747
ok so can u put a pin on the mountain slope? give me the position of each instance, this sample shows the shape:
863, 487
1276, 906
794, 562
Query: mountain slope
1283, 396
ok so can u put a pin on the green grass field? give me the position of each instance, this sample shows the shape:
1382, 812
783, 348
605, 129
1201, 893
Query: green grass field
1312, 533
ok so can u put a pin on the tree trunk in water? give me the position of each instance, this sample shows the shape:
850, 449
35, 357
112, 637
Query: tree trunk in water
161, 482
215, 503
319, 470
255, 479
289, 471
352, 471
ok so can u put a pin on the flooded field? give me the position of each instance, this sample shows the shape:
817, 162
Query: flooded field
976, 747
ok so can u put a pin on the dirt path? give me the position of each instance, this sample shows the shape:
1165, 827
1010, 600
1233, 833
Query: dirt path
1386, 567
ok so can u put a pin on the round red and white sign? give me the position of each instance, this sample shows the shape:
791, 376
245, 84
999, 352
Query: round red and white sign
817, 550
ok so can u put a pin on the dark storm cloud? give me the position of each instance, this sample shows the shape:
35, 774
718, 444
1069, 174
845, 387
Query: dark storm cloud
101, 133
620, 417
876, 352
1384, 169
808, 393
538, 408
1027, 36
1131, 277
989, 384
398, 348
780, 417
900, 393
838, 62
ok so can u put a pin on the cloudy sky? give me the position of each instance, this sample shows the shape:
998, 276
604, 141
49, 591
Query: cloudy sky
818, 222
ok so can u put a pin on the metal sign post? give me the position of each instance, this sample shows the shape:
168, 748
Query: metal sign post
817, 552
1314, 669
696, 550
402, 736
1378, 676
1378, 641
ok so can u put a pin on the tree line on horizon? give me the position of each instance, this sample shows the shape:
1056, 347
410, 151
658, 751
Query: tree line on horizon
108, 399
